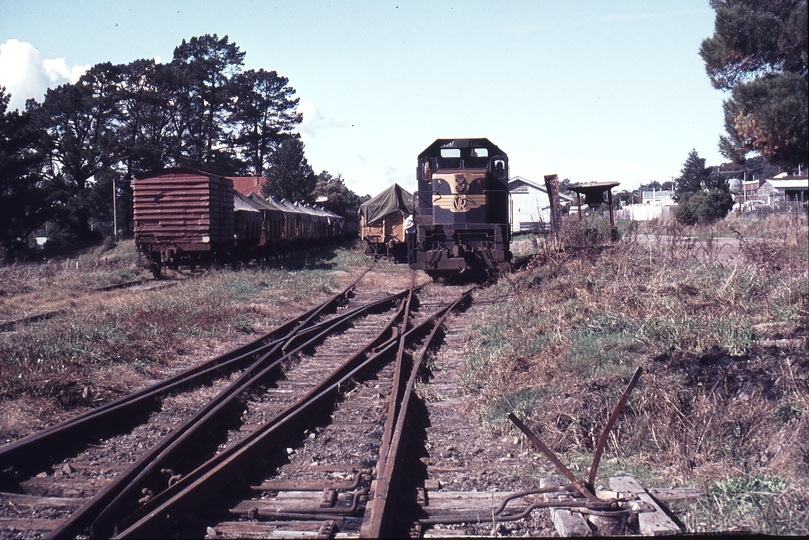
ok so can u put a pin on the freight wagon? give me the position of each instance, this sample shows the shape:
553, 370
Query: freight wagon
188, 217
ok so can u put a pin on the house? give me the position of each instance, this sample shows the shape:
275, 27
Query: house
656, 196
530, 205
655, 204
784, 192
247, 185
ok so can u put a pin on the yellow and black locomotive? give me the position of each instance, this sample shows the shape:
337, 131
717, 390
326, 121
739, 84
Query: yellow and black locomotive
461, 209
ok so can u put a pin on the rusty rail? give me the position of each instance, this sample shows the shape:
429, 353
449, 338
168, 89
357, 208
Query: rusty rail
378, 514
154, 518
28, 453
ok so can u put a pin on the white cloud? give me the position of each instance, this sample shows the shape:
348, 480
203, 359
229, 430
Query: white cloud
314, 121
26, 75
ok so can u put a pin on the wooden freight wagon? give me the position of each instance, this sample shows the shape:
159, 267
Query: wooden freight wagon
382, 222
183, 216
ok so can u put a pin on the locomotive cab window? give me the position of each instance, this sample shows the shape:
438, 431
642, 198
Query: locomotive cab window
450, 158
499, 169
478, 158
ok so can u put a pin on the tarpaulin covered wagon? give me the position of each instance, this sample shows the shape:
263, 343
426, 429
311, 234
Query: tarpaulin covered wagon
382, 222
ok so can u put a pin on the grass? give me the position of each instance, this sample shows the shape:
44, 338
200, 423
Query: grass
713, 409
76, 359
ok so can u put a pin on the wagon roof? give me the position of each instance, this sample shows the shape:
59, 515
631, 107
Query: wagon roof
394, 199
175, 171
244, 204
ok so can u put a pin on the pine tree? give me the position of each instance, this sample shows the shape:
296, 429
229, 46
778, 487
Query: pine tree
759, 53
290, 176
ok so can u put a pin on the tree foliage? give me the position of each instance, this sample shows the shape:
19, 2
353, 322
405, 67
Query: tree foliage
702, 193
336, 193
692, 177
290, 176
264, 114
759, 53
22, 201
60, 159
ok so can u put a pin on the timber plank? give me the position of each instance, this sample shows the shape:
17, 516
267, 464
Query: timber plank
567, 523
651, 523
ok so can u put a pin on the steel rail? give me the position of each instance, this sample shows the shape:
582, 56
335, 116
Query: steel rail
221, 469
602, 441
39, 445
395, 398
158, 514
376, 523
100, 511
203, 420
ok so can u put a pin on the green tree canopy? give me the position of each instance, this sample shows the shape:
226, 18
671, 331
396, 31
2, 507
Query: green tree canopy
264, 115
290, 176
336, 192
201, 97
702, 193
692, 177
79, 130
759, 53
22, 202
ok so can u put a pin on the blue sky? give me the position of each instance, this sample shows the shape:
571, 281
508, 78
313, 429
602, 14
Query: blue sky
589, 90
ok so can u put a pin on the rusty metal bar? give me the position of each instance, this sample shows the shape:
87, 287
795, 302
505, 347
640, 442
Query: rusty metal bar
97, 511
376, 523
396, 389
555, 460
209, 414
195, 487
37, 445
602, 441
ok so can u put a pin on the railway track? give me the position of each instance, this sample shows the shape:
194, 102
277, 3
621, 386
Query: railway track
135, 286
344, 421
304, 430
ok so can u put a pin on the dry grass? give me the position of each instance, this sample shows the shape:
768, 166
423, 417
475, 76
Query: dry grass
714, 408
106, 345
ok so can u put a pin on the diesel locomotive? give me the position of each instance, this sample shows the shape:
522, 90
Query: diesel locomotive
461, 209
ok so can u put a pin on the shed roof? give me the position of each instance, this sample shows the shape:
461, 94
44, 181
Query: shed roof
248, 184
789, 183
393, 199
517, 181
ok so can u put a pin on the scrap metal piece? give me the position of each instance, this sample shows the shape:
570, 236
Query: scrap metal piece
555, 460
602, 441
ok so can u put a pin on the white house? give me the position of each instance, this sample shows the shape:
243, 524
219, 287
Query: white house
784, 191
530, 205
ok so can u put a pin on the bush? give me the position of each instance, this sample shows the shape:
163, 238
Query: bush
703, 207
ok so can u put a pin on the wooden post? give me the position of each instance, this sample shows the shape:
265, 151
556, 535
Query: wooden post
552, 185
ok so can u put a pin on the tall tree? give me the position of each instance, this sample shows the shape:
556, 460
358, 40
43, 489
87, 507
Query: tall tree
290, 176
79, 121
264, 114
200, 78
22, 202
337, 194
145, 128
759, 53
693, 177
702, 194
